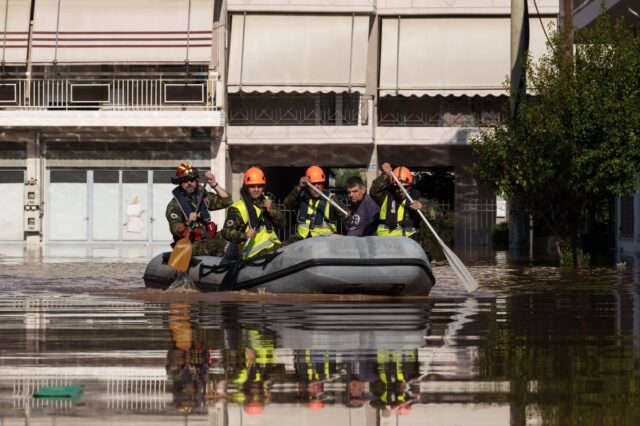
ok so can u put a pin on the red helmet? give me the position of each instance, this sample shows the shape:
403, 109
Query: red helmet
184, 172
254, 176
403, 174
315, 175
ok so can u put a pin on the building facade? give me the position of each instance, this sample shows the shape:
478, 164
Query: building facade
101, 100
627, 208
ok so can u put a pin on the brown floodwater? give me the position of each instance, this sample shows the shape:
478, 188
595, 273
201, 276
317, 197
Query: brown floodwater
536, 344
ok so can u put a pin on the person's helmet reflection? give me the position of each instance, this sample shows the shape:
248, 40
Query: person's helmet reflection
237, 363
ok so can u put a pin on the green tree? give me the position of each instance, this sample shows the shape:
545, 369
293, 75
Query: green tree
575, 141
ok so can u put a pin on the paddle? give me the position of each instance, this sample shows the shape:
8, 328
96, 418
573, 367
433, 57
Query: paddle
464, 276
333, 203
180, 257
230, 278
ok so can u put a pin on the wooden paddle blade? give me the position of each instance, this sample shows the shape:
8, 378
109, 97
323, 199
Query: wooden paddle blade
181, 255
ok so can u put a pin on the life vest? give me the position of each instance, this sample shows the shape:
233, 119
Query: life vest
313, 216
390, 372
265, 237
397, 220
204, 218
312, 370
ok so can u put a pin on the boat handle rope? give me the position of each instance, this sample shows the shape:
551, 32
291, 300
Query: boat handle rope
206, 270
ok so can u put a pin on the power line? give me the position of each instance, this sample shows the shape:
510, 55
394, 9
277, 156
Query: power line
535, 3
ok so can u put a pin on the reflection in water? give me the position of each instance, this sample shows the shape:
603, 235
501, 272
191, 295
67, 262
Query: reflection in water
536, 345
357, 362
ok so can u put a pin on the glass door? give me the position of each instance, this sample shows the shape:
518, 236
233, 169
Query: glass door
68, 216
12, 212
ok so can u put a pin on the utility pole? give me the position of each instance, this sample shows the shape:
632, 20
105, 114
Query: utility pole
566, 18
519, 48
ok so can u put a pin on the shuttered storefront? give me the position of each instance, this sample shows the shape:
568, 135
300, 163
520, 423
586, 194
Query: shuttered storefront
108, 205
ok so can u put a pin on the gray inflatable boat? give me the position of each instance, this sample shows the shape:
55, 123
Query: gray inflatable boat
320, 265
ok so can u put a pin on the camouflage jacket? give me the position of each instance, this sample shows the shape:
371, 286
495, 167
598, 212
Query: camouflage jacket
235, 227
292, 202
175, 216
380, 189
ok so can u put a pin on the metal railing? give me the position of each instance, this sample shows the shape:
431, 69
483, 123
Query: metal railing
473, 222
299, 110
108, 94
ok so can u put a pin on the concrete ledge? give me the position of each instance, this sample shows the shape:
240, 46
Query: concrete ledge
299, 135
29, 118
424, 135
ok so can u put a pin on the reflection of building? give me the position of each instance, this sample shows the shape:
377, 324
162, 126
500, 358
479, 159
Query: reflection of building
117, 388
104, 106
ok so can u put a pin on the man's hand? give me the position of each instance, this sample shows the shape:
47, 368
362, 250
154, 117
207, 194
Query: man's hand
268, 205
302, 184
416, 205
386, 168
251, 233
193, 216
211, 178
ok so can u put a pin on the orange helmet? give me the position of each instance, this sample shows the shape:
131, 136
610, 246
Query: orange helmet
254, 176
315, 175
403, 409
254, 408
184, 172
403, 174
316, 404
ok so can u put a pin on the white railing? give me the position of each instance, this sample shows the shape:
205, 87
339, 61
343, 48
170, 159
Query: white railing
108, 94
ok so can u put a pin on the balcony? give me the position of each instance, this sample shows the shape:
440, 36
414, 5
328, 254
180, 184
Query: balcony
110, 102
326, 6
468, 7
308, 119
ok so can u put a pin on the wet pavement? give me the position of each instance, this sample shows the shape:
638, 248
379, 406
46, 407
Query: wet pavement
536, 344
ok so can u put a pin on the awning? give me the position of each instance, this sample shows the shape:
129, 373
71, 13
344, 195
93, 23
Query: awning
449, 56
297, 53
14, 32
99, 31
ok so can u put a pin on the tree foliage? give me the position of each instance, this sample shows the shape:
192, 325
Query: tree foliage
575, 139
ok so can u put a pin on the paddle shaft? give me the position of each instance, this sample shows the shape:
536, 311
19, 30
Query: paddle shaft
230, 278
333, 203
456, 264
180, 257
246, 245
424, 219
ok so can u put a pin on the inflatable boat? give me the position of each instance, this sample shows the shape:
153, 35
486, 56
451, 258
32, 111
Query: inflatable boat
319, 265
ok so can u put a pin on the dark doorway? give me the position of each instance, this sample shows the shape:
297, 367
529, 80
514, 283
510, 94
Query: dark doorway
436, 183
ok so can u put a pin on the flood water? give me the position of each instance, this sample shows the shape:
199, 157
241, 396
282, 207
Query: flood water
534, 345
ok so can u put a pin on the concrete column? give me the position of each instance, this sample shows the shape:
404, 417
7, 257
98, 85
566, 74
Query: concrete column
217, 69
371, 93
33, 193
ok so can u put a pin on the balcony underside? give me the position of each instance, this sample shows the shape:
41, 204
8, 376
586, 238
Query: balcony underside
296, 135
106, 119
424, 135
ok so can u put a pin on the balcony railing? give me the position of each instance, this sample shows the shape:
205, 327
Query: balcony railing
299, 110
108, 94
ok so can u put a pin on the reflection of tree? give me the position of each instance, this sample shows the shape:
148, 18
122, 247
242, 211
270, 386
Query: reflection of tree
563, 365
